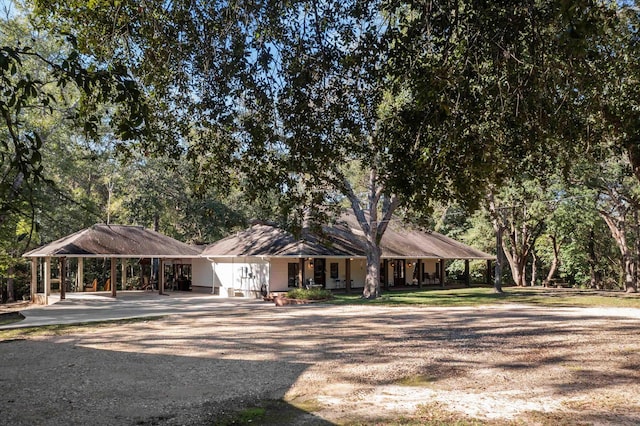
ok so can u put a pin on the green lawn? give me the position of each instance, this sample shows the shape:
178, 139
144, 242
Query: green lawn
62, 329
484, 295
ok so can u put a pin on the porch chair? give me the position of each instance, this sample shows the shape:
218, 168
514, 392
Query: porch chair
91, 287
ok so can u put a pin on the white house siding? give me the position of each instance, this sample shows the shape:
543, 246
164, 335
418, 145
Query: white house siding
278, 274
331, 282
243, 276
358, 272
202, 275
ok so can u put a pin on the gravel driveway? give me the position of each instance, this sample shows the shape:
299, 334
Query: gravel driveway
332, 365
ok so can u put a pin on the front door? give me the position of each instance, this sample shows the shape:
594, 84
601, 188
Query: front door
319, 273
399, 273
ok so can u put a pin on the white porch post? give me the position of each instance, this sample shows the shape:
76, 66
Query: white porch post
80, 276
161, 276
214, 276
34, 278
62, 265
123, 279
47, 279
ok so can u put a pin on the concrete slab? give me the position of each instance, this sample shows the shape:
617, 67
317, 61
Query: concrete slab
93, 307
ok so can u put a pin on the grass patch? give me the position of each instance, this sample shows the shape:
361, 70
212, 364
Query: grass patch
62, 329
476, 296
252, 415
268, 412
10, 318
308, 405
416, 380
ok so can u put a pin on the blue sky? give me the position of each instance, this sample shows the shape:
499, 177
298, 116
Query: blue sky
7, 6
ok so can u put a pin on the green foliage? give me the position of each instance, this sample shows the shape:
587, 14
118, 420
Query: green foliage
286, 108
310, 294
52, 104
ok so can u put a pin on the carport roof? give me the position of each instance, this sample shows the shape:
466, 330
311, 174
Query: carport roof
116, 241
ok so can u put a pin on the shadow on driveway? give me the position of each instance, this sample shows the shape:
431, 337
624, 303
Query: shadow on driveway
93, 307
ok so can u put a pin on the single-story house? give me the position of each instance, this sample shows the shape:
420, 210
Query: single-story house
260, 259
266, 258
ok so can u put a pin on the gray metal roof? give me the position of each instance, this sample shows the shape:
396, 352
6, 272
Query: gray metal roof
116, 241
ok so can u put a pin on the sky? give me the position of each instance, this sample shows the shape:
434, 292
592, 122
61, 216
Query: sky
7, 8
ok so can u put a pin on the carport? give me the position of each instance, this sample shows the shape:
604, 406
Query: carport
105, 241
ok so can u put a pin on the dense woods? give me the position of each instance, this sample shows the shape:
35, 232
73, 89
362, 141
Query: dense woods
193, 118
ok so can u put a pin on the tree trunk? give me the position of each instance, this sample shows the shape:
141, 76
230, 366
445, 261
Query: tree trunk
517, 272
629, 283
534, 274
554, 262
372, 280
593, 261
10, 290
372, 228
519, 241
617, 226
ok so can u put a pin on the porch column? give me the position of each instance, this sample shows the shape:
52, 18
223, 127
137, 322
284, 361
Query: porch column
34, 278
113, 277
80, 276
441, 272
301, 273
123, 279
386, 274
347, 275
489, 272
63, 271
419, 272
47, 279
161, 276
467, 278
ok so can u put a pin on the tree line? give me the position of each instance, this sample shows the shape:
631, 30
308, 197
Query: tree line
192, 117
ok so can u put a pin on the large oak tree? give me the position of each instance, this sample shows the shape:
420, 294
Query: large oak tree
434, 100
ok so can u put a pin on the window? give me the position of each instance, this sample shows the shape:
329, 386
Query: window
293, 269
334, 270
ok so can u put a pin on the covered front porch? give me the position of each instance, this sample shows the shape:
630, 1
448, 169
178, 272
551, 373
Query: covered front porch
349, 273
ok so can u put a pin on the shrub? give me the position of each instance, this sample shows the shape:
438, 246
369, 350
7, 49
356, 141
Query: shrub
309, 294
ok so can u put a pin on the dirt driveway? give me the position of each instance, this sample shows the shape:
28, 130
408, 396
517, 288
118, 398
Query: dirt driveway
333, 365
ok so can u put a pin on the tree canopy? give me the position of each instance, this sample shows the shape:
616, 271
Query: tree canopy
386, 106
